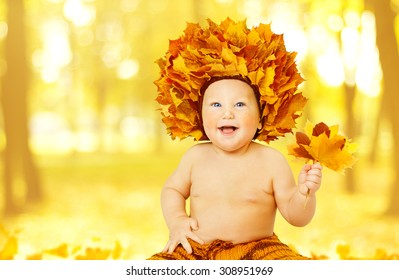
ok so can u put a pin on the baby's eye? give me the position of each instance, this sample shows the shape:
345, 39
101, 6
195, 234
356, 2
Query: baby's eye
216, 104
240, 104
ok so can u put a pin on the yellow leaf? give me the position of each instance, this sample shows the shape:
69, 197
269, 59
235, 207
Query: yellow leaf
325, 146
381, 254
117, 252
60, 251
76, 249
35, 257
94, 254
10, 249
343, 251
3, 231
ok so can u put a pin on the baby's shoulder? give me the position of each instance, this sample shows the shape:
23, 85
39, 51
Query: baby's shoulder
198, 150
266, 152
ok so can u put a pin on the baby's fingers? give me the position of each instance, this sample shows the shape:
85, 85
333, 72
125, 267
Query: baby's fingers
169, 247
312, 186
186, 245
317, 165
195, 238
172, 245
313, 182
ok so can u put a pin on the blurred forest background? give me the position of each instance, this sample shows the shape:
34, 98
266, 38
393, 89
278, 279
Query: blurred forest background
85, 155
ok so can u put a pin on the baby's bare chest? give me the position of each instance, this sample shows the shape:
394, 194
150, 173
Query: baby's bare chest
231, 181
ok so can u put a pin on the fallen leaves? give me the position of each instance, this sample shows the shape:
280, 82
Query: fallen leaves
9, 250
344, 253
324, 144
8, 244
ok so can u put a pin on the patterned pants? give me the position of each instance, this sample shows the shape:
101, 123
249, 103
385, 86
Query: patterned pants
269, 248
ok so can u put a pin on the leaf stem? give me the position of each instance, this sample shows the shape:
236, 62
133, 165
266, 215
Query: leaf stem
306, 199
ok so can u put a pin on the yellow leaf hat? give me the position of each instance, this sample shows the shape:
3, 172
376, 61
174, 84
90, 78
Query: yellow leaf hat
257, 56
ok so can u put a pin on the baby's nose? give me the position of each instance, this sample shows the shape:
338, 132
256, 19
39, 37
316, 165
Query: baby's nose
228, 114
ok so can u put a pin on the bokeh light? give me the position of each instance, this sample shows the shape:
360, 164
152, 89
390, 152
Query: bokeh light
103, 153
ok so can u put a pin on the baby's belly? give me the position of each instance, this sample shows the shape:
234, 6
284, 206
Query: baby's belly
234, 223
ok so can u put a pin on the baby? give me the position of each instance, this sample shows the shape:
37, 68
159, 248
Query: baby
235, 184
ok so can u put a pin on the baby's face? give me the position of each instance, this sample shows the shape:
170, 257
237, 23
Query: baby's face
230, 114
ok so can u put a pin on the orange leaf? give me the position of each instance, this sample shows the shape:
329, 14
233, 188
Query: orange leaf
321, 128
35, 257
323, 144
329, 153
302, 138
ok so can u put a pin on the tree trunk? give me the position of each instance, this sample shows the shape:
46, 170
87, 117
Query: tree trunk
350, 182
18, 159
389, 58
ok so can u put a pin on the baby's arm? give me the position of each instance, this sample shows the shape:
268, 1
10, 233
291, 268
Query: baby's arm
173, 201
292, 200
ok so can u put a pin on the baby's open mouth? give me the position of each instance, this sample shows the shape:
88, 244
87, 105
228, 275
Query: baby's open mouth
227, 129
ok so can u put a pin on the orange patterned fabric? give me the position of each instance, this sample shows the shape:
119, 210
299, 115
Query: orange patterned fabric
270, 248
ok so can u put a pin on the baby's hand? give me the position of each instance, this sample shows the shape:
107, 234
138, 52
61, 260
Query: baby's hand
309, 178
179, 232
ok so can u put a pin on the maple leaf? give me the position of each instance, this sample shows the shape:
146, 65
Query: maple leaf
321, 143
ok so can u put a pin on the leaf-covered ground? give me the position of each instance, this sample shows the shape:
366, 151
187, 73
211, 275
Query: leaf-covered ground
107, 207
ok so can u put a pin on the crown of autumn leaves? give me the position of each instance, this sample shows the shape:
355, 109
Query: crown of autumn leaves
230, 49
